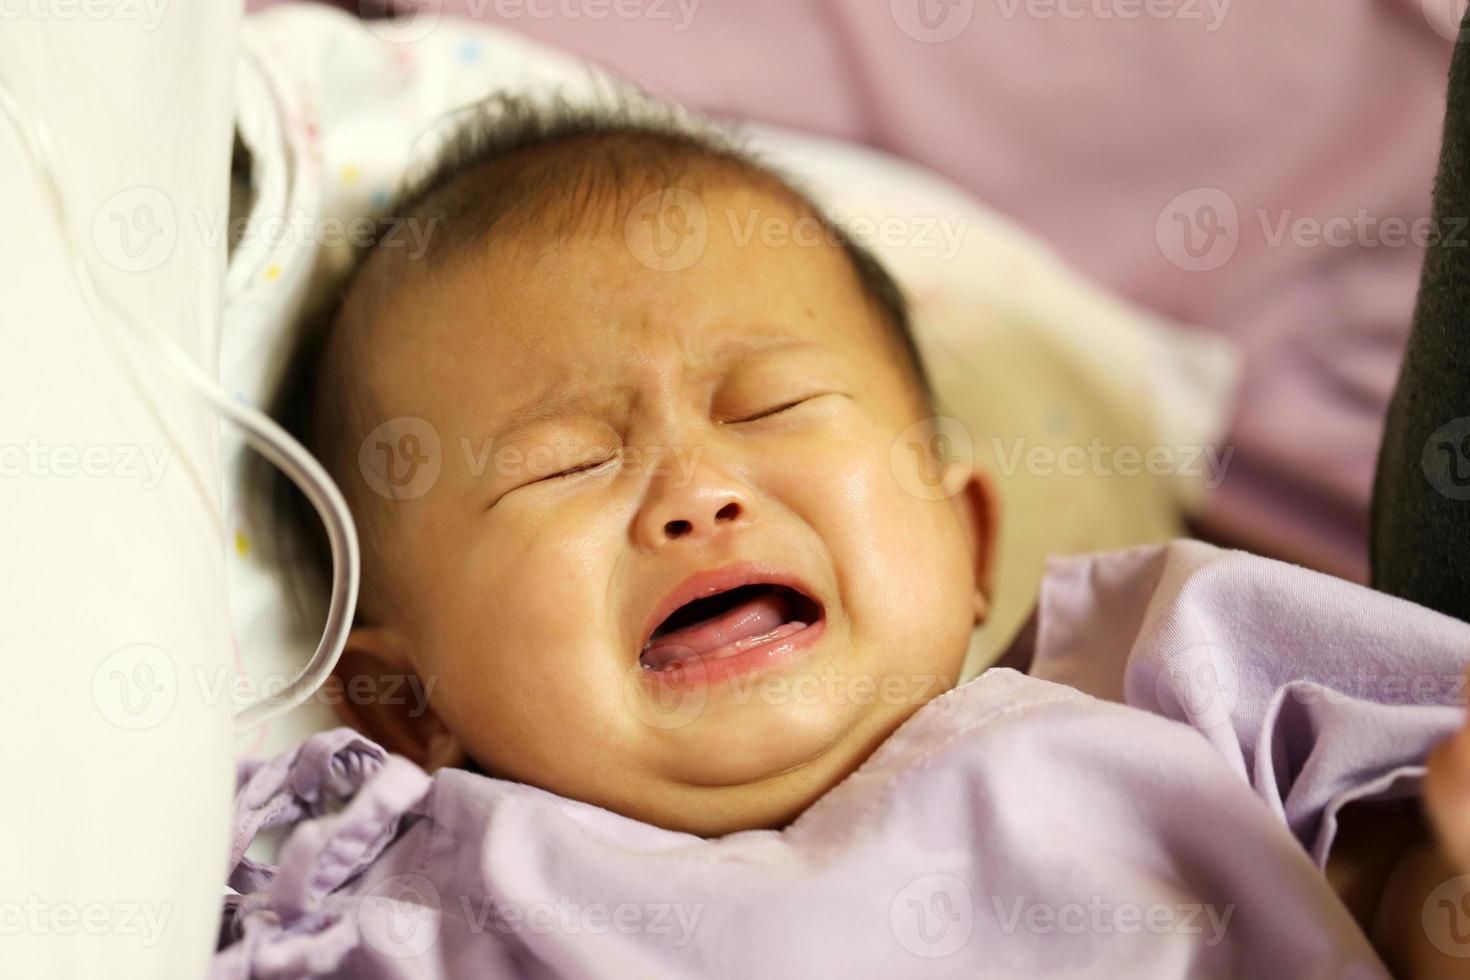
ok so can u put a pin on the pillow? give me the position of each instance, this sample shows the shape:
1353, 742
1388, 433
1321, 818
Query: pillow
1057, 388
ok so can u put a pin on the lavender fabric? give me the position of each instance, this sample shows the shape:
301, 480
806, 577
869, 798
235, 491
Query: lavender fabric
1155, 800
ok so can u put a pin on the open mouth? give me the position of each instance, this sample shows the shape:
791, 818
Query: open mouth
727, 623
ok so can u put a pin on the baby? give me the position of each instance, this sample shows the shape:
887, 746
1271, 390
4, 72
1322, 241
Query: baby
675, 463
653, 508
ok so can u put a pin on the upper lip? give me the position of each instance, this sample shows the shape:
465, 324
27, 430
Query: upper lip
723, 579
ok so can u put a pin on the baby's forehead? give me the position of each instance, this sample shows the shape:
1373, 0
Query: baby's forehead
705, 252
584, 318
727, 258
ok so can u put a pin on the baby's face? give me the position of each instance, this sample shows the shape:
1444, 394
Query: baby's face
742, 428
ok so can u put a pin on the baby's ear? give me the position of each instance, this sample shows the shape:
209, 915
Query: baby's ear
378, 692
979, 511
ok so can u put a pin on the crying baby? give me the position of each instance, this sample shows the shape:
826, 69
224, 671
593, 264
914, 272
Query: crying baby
650, 508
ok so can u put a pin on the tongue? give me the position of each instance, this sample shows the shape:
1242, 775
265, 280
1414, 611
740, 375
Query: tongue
756, 616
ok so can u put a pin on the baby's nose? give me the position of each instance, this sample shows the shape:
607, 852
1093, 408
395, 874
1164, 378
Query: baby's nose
701, 508
680, 527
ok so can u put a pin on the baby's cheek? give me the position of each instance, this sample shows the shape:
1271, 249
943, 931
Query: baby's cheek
524, 630
895, 558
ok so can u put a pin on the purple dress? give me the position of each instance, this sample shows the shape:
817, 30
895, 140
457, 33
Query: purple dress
1156, 799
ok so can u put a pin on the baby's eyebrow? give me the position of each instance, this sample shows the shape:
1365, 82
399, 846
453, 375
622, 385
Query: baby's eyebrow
576, 400
585, 399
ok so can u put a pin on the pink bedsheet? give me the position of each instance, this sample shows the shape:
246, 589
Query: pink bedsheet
1294, 142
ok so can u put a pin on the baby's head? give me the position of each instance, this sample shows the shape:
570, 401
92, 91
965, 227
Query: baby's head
637, 450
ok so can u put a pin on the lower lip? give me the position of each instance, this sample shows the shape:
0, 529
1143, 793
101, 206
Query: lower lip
711, 668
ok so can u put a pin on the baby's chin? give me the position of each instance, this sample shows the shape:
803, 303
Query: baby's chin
759, 766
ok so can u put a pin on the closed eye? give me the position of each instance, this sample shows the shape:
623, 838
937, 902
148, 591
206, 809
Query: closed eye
784, 406
573, 471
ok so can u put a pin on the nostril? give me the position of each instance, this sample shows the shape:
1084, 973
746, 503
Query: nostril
677, 529
728, 512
